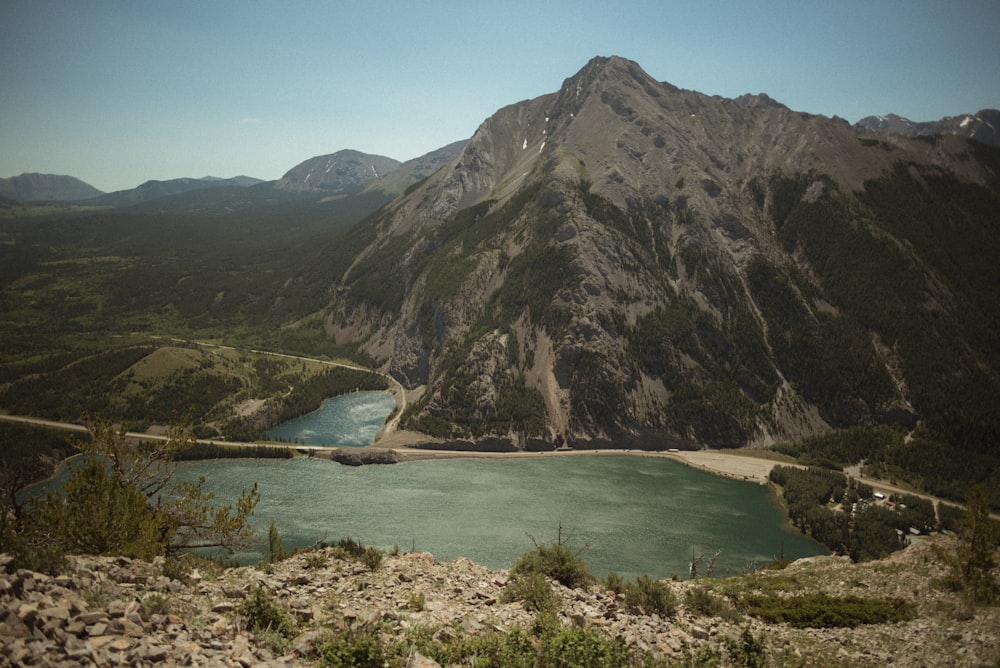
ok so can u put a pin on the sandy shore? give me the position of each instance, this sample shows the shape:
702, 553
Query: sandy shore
739, 465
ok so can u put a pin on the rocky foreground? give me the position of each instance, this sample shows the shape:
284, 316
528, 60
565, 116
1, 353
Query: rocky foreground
116, 611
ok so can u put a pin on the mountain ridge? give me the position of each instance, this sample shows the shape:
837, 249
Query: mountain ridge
35, 187
983, 126
603, 251
153, 189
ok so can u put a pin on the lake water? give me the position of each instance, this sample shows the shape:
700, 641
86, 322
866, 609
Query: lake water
348, 420
630, 514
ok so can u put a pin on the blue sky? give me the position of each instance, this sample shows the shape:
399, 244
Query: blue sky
116, 93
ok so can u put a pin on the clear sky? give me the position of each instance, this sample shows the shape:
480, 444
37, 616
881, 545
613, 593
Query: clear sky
116, 93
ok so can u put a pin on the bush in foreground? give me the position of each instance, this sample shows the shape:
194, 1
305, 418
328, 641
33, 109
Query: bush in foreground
121, 500
820, 610
534, 592
547, 644
556, 561
644, 594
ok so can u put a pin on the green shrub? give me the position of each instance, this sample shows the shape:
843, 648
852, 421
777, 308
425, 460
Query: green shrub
546, 644
155, 604
614, 582
372, 558
416, 601
705, 602
275, 550
950, 516
350, 546
584, 647
748, 651
353, 649
650, 597
821, 610
263, 615
973, 562
178, 567
315, 560
533, 590
556, 561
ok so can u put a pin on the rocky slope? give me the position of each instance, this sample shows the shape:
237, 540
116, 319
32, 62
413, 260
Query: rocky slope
625, 263
398, 180
108, 611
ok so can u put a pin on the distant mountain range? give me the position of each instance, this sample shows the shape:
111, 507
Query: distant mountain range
34, 187
349, 170
337, 174
151, 190
983, 126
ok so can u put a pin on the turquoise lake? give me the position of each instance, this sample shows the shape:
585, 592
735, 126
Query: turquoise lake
629, 514
348, 420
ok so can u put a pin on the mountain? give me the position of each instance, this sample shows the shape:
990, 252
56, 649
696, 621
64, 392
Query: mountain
417, 169
151, 190
239, 181
983, 126
346, 174
758, 100
33, 187
625, 263
336, 172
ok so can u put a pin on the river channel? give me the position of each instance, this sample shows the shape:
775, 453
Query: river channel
350, 420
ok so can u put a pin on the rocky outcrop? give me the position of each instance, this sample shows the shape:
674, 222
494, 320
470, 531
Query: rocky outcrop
362, 456
114, 611
107, 611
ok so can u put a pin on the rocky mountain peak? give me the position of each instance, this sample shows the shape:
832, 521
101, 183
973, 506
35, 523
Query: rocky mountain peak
336, 172
614, 262
508, 146
603, 73
758, 100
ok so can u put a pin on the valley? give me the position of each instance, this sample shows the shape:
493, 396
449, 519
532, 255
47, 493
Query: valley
619, 264
617, 267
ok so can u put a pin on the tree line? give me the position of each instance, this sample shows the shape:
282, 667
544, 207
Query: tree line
849, 518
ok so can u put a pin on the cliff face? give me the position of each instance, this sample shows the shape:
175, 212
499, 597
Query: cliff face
624, 262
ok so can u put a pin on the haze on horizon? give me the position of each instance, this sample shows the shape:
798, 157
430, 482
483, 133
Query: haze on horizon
120, 93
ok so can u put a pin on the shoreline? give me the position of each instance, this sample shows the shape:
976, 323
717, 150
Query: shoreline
735, 465
742, 464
